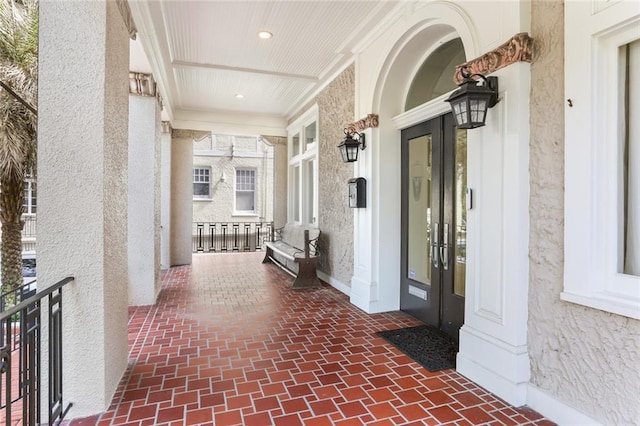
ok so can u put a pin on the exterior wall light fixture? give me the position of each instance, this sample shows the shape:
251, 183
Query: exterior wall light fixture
471, 100
349, 146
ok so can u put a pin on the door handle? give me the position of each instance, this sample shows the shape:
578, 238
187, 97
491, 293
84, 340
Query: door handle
435, 244
444, 250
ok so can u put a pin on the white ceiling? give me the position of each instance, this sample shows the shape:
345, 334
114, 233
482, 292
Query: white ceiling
203, 53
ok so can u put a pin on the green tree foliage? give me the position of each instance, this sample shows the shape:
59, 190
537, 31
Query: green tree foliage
18, 125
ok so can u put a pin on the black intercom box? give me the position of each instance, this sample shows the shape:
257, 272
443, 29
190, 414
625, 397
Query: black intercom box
357, 192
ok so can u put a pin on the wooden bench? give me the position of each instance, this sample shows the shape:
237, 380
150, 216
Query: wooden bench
295, 250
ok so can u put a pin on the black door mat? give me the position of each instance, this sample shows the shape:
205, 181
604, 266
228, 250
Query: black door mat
426, 345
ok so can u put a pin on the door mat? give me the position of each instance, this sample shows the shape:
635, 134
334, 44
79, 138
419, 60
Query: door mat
426, 345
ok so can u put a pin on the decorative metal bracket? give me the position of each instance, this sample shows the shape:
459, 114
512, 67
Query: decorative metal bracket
518, 48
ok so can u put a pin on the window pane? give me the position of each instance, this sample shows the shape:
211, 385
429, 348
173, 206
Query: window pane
631, 162
309, 194
245, 201
310, 134
295, 193
419, 210
33, 197
296, 144
460, 209
201, 189
434, 76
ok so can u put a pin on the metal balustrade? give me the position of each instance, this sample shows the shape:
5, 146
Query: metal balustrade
225, 237
21, 356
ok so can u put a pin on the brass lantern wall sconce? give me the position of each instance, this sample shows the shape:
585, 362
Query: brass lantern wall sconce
353, 141
469, 103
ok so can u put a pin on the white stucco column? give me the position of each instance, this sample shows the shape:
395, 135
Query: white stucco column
165, 196
144, 191
82, 190
181, 200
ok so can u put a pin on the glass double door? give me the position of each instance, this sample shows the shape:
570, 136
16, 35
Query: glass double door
434, 216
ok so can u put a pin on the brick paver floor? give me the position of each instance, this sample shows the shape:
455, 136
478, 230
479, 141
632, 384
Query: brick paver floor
228, 343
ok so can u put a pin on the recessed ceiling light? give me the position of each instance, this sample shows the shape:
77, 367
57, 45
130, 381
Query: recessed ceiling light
265, 34
239, 95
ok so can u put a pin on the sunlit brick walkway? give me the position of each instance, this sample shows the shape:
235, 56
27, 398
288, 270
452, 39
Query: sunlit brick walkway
229, 344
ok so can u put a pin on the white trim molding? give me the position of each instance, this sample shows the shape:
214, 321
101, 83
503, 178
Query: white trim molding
556, 410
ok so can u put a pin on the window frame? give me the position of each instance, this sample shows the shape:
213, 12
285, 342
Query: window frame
29, 197
592, 156
236, 211
208, 197
300, 165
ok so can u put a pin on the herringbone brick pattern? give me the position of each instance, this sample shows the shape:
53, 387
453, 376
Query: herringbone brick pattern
228, 343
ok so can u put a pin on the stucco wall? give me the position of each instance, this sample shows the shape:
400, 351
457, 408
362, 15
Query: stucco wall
335, 110
587, 358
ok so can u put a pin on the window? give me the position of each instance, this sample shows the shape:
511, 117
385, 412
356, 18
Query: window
303, 169
433, 79
29, 201
202, 183
245, 190
602, 144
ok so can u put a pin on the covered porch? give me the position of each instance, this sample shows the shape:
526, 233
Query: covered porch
228, 343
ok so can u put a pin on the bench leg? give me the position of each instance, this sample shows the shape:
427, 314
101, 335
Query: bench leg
307, 277
267, 254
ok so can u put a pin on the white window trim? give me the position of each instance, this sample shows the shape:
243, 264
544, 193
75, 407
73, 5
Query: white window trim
592, 161
27, 202
302, 160
200, 197
253, 212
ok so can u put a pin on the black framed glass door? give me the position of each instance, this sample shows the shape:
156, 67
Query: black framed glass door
433, 256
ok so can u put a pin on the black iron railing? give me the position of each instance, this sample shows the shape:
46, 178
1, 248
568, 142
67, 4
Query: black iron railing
222, 237
21, 355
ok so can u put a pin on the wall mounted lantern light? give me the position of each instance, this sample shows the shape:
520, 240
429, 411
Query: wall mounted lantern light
349, 146
471, 100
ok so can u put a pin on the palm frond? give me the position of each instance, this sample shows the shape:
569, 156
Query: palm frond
18, 69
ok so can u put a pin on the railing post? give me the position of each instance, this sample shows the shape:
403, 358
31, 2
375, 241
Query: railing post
200, 229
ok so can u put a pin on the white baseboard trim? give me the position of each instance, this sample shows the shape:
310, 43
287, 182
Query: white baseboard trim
335, 283
556, 410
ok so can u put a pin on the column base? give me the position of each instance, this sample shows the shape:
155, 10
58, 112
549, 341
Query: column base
500, 367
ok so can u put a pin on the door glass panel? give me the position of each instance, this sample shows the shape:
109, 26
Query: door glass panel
419, 210
460, 212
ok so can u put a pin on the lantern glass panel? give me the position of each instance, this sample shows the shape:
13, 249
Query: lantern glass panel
460, 111
352, 153
343, 152
478, 110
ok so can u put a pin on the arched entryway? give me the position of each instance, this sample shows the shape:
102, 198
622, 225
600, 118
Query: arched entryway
433, 209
